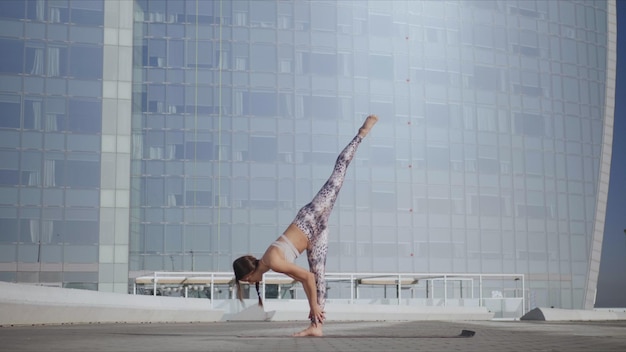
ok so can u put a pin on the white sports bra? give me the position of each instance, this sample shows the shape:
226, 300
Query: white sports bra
290, 251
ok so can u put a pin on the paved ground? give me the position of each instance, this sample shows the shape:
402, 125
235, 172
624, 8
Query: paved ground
347, 336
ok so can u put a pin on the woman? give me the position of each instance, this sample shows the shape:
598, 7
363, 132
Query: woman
307, 231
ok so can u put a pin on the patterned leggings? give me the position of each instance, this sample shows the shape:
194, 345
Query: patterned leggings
312, 219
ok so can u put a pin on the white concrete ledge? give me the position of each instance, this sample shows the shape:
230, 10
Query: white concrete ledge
556, 314
27, 305
298, 310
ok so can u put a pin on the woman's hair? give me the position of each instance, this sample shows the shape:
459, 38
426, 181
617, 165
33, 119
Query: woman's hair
243, 266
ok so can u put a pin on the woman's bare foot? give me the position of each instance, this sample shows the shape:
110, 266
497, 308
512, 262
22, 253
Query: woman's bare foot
312, 330
370, 121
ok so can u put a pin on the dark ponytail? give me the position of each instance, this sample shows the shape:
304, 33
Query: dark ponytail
258, 293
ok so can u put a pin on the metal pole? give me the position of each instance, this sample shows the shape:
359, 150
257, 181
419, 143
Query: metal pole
480, 290
263, 287
212, 288
352, 288
154, 284
523, 295
399, 288
445, 291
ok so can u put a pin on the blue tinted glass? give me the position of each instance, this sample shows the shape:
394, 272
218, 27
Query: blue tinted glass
12, 63
12, 8
85, 62
85, 116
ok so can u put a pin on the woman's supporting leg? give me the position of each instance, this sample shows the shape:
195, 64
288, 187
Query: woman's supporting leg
316, 255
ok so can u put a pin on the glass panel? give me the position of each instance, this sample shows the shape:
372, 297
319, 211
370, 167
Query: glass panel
80, 254
10, 107
13, 63
80, 232
9, 233
85, 116
85, 62
263, 58
87, 12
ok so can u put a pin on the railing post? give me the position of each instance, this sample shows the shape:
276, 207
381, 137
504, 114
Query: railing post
445, 290
523, 296
352, 289
154, 284
211, 288
480, 290
399, 288
263, 287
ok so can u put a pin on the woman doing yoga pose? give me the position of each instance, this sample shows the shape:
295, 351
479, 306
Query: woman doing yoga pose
307, 231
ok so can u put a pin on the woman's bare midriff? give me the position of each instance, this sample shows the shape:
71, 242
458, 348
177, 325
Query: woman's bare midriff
297, 237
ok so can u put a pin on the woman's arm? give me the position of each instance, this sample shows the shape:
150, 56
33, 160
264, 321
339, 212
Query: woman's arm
301, 275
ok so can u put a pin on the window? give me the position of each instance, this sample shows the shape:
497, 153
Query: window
527, 90
81, 173
262, 14
259, 104
263, 58
436, 115
87, 12
529, 124
202, 198
85, 62
9, 177
12, 61
381, 25
199, 151
380, 66
486, 205
199, 54
263, 149
34, 58
10, 107
438, 158
316, 63
383, 156
85, 116
81, 232
487, 78
9, 230
535, 211
12, 8
488, 166
321, 107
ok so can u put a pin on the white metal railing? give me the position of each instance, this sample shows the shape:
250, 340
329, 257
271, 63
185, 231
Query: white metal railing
440, 287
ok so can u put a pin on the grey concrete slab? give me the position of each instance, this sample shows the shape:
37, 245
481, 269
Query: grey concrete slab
340, 336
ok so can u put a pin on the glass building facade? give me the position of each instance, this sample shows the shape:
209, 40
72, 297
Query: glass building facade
175, 135
65, 95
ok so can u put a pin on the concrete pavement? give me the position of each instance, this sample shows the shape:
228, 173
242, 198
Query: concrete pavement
339, 336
